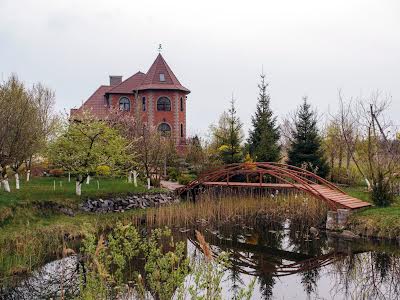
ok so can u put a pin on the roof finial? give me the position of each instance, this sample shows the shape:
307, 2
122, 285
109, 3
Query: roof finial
159, 48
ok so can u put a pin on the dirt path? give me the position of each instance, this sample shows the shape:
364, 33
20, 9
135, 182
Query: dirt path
170, 185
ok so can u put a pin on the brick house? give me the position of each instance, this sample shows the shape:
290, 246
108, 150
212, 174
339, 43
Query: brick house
157, 95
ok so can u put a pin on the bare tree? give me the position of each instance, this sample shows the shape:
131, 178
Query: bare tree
370, 143
27, 122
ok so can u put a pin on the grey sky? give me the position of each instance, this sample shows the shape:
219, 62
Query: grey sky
215, 48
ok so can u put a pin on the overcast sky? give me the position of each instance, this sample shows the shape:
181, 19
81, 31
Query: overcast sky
215, 48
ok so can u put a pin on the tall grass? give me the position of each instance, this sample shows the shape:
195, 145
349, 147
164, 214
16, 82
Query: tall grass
215, 207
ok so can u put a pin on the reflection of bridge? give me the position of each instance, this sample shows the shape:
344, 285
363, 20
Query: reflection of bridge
260, 260
275, 176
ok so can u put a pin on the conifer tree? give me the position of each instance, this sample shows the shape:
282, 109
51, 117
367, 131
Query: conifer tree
306, 148
263, 141
228, 136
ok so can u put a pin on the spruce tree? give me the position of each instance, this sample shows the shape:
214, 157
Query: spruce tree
263, 141
228, 136
306, 148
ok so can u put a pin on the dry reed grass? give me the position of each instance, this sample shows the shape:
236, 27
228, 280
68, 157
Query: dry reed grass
247, 208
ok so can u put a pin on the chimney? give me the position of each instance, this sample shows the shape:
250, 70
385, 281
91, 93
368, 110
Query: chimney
115, 80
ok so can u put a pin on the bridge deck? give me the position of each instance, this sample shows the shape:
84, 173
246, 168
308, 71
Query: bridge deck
341, 199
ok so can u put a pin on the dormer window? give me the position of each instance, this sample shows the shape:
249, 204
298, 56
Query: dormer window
162, 77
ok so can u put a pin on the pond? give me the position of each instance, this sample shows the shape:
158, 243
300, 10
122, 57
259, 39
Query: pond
284, 261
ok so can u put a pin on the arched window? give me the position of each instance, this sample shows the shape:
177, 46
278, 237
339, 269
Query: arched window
181, 104
181, 130
124, 104
163, 104
165, 129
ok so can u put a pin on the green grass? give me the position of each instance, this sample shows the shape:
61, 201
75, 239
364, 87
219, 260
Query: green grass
34, 202
375, 221
41, 189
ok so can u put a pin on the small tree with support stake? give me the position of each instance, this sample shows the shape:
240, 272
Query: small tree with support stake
85, 144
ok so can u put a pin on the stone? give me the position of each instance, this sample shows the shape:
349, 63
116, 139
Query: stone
331, 220
314, 231
131, 201
342, 218
347, 234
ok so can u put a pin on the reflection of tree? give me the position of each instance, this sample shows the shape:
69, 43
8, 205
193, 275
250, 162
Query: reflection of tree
234, 272
383, 263
309, 280
370, 275
271, 239
266, 283
56, 278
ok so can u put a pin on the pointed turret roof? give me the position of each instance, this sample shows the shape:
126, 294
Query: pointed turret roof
161, 77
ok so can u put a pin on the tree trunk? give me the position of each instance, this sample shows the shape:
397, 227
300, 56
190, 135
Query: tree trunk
69, 176
340, 162
6, 185
88, 179
16, 181
130, 177
148, 183
28, 175
135, 178
78, 188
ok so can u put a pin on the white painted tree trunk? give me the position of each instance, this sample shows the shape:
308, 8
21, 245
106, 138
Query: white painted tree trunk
88, 180
69, 176
135, 178
78, 188
148, 183
16, 181
6, 185
28, 175
368, 184
130, 177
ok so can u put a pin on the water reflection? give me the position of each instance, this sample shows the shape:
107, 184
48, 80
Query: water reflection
286, 261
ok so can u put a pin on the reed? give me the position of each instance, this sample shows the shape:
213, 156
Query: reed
215, 207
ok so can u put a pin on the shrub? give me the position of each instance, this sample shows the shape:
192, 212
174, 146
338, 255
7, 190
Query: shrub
186, 178
56, 172
103, 170
174, 174
382, 193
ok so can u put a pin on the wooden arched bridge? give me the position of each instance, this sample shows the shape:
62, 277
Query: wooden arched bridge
274, 176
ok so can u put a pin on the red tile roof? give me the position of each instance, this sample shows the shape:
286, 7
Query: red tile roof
96, 104
129, 85
137, 82
152, 79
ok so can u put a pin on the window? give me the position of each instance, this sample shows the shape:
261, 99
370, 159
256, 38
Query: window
162, 77
143, 103
181, 104
181, 130
163, 104
124, 104
165, 129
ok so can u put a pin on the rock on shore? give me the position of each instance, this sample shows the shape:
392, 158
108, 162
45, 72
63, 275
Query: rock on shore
123, 203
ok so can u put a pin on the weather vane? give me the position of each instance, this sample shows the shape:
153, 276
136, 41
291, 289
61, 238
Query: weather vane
159, 48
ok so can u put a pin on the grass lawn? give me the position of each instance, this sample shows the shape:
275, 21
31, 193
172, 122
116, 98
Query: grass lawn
32, 204
375, 221
60, 190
